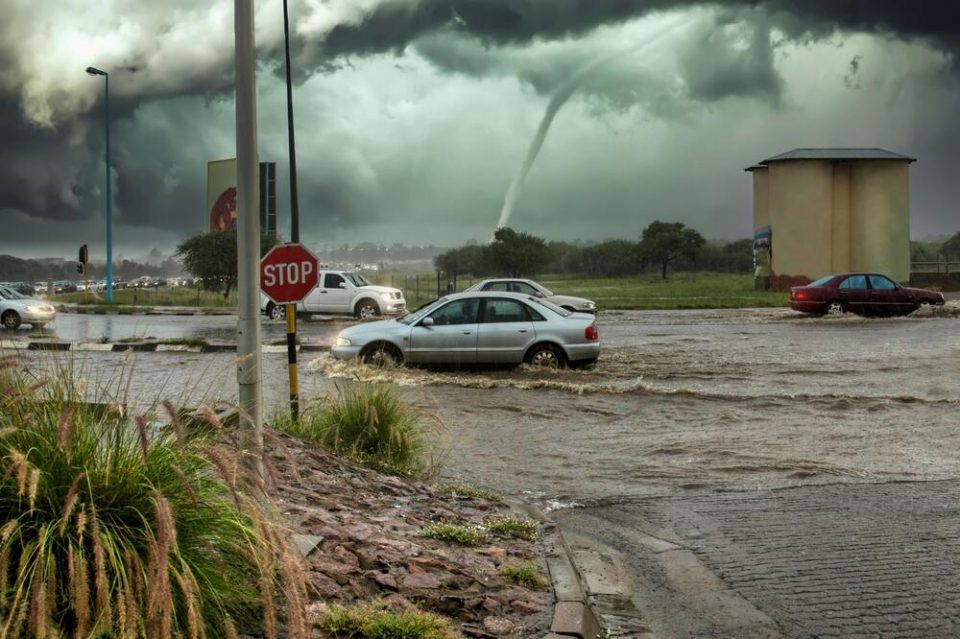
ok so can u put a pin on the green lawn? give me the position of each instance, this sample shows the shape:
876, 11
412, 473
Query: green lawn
678, 291
179, 296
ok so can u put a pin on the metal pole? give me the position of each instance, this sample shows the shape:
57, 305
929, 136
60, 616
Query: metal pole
109, 195
291, 309
248, 237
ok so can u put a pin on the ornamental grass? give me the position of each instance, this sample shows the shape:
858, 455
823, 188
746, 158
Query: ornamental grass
113, 528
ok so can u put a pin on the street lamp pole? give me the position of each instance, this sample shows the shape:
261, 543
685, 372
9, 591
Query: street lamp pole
109, 194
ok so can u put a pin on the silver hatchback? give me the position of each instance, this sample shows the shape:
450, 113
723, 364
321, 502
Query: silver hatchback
478, 328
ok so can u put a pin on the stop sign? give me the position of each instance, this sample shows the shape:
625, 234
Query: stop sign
287, 273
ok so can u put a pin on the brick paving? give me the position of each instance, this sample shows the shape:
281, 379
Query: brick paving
846, 560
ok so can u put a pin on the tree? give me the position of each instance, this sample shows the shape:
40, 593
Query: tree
516, 254
460, 261
951, 248
664, 242
213, 257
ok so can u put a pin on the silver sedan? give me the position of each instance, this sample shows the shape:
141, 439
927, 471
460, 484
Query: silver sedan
536, 289
16, 309
478, 328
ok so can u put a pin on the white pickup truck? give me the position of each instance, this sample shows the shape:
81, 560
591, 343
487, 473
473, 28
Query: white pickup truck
343, 293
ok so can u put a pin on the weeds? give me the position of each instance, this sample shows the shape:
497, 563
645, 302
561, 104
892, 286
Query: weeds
372, 426
462, 490
513, 527
453, 533
122, 530
525, 574
376, 621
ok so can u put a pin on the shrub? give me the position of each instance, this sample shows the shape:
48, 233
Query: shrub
524, 573
513, 527
376, 621
372, 426
453, 533
122, 530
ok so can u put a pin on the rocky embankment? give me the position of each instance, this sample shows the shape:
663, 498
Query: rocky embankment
360, 533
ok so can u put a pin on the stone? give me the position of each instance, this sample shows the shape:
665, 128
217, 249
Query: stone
490, 604
385, 579
306, 544
323, 586
498, 625
528, 607
346, 557
421, 580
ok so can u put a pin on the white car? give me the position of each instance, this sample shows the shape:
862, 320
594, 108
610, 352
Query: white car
478, 328
16, 309
343, 293
529, 287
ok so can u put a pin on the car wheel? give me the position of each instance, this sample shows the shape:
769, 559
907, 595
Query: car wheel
366, 309
276, 311
11, 320
924, 304
381, 355
835, 308
546, 356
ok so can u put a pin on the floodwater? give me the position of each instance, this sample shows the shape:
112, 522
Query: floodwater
679, 401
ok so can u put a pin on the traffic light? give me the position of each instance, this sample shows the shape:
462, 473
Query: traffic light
82, 266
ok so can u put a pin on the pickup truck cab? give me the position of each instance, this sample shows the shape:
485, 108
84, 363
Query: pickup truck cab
343, 293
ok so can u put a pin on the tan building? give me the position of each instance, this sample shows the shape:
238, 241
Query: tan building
833, 211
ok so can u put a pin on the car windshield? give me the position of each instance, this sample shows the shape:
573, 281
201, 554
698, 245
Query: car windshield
562, 312
422, 312
10, 294
356, 279
821, 282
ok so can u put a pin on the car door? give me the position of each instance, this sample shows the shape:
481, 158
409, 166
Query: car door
450, 337
883, 296
335, 294
854, 294
505, 331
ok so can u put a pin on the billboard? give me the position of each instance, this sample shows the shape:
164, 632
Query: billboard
221, 209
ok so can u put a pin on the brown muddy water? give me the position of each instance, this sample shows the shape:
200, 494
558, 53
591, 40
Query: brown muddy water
679, 401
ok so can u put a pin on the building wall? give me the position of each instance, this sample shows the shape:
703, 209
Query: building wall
880, 218
835, 216
801, 208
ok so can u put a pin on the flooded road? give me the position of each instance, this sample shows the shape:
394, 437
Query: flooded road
679, 401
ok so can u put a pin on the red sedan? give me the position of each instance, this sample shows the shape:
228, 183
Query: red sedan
861, 293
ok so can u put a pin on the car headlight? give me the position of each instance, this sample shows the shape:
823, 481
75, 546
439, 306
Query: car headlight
386, 297
590, 305
343, 341
32, 309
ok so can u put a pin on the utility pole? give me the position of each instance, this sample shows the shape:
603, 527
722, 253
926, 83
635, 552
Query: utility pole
248, 237
291, 309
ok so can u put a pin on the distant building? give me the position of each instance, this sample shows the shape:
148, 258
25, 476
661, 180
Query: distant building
222, 196
822, 211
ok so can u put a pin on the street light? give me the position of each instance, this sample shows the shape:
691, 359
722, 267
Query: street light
109, 194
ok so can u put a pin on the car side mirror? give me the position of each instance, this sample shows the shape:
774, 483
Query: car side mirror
538, 294
427, 321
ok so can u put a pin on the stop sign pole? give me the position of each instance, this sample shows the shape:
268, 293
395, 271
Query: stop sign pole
287, 274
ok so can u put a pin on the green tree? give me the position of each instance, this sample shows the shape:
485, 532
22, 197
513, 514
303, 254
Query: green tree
665, 242
213, 257
951, 248
516, 254
461, 261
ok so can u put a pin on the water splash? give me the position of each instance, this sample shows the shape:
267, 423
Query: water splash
559, 98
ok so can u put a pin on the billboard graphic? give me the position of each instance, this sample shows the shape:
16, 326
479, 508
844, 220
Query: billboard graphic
221, 195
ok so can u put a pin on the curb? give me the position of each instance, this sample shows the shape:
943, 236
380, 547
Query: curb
572, 613
149, 347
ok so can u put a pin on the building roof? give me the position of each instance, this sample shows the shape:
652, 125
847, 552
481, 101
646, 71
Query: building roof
838, 154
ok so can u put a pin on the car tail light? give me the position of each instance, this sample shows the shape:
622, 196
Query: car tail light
591, 333
800, 295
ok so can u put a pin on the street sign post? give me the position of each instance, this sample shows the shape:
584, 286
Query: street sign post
287, 274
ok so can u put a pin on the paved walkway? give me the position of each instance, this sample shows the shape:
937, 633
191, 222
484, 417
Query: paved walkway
845, 560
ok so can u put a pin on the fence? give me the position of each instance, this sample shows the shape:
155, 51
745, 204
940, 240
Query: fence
420, 289
940, 266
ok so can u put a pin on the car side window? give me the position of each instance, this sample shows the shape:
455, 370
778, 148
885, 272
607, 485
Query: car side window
498, 311
523, 287
880, 283
496, 286
332, 280
854, 281
457, 312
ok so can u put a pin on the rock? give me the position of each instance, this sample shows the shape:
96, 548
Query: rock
498, 625
323, 586
490, 604
527, 607
421, 580
346, 557
498, 555
385, 579
367, 557
306, 544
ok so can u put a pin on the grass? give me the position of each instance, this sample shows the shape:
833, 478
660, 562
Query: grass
372, 426
178, 296
454, 534
642, 292
122, 529
463, 490
513, 527
525, 574
376, 621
